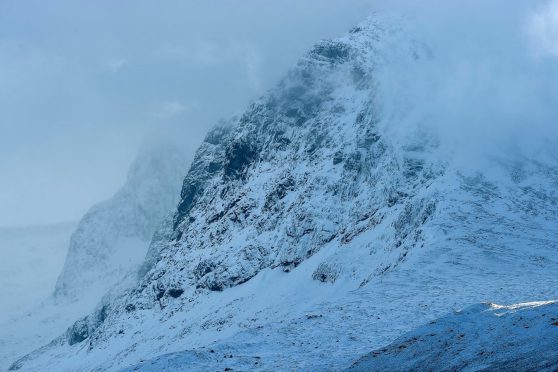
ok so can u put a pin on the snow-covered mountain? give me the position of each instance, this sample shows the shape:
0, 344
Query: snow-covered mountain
310, 231
113, 236
105, 249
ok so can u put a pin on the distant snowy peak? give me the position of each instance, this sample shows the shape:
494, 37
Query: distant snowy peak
484, 337
113, 236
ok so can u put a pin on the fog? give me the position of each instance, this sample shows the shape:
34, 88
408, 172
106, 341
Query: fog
82, 84
489, 87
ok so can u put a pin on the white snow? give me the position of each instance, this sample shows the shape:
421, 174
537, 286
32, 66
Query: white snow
113, 236
480, 337
296, 261
50, 279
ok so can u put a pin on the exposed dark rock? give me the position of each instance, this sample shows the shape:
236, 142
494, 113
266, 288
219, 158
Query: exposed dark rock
79, 332
175, 292
239, 155
325, 273
331, 51
204, 268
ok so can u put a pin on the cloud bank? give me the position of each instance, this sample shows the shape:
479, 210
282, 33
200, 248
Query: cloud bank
490, 86
82, 83
542, 27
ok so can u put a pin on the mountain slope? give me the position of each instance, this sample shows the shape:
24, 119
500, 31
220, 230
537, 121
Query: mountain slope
310, 231
484, 337
106, 248
112, 238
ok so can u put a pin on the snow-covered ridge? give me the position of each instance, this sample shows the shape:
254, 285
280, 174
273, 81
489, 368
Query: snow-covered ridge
484, 337
307, 223
112, 238
106, 248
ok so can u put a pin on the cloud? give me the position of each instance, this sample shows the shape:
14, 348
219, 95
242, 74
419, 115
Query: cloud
481, 90
542, 28
171, 109
78, 77
115, 65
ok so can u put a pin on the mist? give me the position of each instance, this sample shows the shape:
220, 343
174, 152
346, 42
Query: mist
86, 86
84, 83
488, 87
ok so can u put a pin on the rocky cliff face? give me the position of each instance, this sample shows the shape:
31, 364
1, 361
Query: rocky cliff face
305, 167
306, 220
112, 238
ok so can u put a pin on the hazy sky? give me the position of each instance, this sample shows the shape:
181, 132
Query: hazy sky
492, 82
82, 82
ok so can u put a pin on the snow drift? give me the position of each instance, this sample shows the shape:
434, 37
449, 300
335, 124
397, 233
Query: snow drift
484, 337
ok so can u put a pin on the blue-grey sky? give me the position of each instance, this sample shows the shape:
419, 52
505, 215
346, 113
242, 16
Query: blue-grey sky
83, 82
